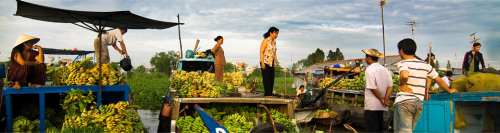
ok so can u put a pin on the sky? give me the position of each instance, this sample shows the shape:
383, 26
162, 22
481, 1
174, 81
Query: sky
305, 25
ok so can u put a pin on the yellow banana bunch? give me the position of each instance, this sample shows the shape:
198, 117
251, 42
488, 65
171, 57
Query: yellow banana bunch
326, 82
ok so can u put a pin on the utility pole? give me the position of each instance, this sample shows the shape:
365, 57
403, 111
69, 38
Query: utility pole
179, 28
412, 23
382, 3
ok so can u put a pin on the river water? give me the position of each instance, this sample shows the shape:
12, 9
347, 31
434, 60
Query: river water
150, 119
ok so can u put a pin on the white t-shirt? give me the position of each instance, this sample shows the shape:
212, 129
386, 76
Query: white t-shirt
112, 36
377, 77
418, 70
445, 79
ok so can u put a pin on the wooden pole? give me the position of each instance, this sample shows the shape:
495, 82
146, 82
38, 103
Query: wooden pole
428, 81
179, 28
100, 56
196, 46
383, 27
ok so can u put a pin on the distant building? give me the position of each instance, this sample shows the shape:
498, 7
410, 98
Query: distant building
249, 70
319, 71
235, 62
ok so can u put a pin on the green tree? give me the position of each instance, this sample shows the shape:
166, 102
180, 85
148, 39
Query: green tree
331, 56
491, 70
229, 67
339, 54
436, 65
140, 69
448, 66
317, 57
255, 73
278, 71
162, 62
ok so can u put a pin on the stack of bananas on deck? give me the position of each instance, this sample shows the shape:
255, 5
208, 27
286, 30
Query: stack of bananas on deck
77, 74
235, 78
192, 84
114, 118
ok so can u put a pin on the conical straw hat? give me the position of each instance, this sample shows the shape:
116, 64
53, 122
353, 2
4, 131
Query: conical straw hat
24, 38
373, 52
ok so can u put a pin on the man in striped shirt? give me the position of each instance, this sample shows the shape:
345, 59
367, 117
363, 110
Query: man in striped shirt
409, 99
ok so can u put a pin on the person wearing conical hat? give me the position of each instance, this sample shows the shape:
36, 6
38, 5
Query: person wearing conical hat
26, 64
378, 87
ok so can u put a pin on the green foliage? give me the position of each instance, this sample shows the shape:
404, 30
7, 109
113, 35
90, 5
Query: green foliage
278, 71
436, 65
257, 72
279, 86
162, 62
140, 69
76, 101
492, 70
148, 88
229, 68
334, 56
317, 57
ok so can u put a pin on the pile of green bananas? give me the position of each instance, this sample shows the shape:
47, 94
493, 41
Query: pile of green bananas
190, 124
236, 117
237, 123
22, 124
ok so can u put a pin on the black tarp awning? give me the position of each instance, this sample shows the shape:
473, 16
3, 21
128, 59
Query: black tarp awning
65, 52
89, 20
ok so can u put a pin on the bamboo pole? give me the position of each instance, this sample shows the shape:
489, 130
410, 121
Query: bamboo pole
428, 82
179, 28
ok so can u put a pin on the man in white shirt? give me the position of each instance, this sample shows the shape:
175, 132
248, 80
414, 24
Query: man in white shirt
110, 38
446, 79
378, 82
409, 100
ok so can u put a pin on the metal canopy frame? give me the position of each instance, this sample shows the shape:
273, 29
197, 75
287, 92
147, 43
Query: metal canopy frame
118, 19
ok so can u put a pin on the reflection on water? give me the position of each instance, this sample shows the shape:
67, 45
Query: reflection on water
150, 119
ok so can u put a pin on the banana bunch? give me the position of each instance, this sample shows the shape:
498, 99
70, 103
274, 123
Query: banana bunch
237, 123
52, 130
184, 90
132, 116
176, 83
326, 82
76, 74
184, 123
252, 85
207, 75
199, 126
22, 124
201, 53
192, 84
235, 78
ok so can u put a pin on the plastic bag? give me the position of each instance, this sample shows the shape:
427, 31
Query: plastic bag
460, 122
190, 54
488, 123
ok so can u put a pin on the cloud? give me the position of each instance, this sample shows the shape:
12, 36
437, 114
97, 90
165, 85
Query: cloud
304, 27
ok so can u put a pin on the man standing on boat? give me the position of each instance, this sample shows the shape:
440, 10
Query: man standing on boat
412, 74
110, 38
378, 82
